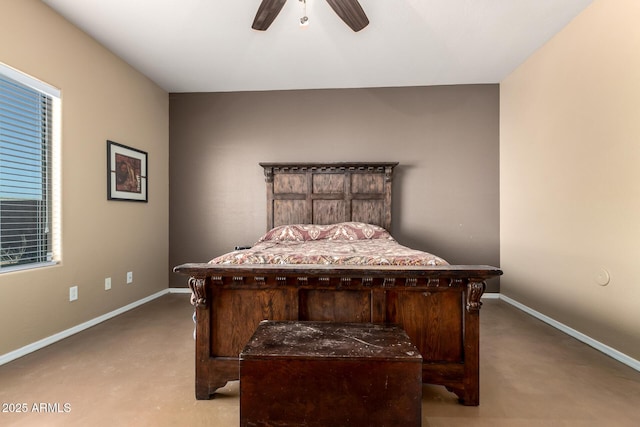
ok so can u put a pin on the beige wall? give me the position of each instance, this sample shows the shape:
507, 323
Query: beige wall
102, 98
445, 138
570, 181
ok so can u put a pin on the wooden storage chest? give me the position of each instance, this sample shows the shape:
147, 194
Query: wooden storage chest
316, 374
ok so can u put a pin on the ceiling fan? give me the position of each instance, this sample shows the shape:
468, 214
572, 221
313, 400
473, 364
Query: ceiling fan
349, 11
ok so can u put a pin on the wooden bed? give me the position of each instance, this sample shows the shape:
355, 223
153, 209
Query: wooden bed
438, 306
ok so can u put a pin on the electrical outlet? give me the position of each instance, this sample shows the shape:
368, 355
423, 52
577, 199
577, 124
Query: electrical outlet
73, 293
130, 277
107, 283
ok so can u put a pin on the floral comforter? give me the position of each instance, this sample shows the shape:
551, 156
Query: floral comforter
348, 243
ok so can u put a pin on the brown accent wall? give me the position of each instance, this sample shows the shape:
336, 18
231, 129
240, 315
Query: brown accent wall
446, 189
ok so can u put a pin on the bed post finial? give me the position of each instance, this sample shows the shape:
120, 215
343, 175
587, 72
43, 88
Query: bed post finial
268, 174
474, 293
388, 173
198, 292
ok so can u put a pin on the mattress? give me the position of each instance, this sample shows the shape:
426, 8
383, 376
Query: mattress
347, 243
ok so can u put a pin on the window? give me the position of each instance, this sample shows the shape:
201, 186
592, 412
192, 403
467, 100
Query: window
29, 123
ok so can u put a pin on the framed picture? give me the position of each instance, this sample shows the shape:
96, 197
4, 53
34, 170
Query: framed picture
126, 173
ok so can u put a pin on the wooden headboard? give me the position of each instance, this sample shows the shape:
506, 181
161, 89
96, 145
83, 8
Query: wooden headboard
327, 193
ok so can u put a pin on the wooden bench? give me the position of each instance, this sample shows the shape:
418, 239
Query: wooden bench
314, 374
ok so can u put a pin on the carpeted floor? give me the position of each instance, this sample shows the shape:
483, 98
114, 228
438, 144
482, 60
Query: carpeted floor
138, 370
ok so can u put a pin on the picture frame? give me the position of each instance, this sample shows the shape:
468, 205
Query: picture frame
126, 173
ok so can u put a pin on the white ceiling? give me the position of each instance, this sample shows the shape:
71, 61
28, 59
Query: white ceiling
209, 46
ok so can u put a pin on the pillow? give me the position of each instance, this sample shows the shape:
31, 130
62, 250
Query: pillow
341, 231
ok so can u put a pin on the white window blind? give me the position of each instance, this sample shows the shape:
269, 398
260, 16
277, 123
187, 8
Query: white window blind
26, 190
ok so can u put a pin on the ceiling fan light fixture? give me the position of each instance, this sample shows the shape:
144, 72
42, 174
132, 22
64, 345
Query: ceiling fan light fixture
304, 21
349, 11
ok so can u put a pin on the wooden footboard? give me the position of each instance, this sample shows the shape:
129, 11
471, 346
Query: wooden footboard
438, 307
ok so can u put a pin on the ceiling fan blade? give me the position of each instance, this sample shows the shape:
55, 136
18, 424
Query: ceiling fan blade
350, 12
267, 12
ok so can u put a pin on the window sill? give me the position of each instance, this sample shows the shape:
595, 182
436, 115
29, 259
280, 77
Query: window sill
14, 268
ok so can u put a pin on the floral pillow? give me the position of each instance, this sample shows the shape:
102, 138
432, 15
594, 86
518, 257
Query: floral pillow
341, 231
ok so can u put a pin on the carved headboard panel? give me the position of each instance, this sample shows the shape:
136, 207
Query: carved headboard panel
327, 193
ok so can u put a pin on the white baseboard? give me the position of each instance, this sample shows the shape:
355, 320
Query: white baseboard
491, 295
30, 348
611, 352
179, 290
